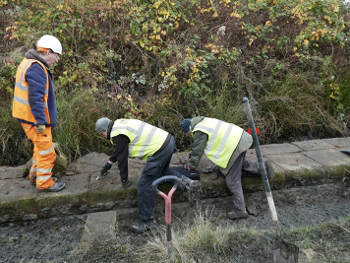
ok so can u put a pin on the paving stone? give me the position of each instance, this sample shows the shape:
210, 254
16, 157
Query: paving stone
313, 161
273, 149
297, 165
339, 142
18, 200
314, 145
335, 162
71, 200
7, 172
99, 228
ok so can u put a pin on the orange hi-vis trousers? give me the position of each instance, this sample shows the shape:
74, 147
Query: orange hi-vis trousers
44, 156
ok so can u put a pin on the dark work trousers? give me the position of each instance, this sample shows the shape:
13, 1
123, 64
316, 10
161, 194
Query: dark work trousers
250, 168
234, 184
156, 166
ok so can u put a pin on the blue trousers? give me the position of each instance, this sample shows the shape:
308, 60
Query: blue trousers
156, 166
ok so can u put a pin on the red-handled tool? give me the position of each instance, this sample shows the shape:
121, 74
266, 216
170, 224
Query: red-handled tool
167, 198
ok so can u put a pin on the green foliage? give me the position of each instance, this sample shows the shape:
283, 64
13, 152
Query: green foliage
192, 58
15, 149
7, 76
77, 115
78, 112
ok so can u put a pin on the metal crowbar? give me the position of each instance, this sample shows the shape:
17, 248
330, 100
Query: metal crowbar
285, 252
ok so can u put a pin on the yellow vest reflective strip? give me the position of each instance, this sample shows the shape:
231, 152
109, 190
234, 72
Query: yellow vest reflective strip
223, 139
21, 107
145, 139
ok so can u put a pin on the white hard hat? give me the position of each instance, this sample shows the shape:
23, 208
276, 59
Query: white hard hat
48, 41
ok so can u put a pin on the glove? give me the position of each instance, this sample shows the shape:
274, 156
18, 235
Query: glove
40, 128
187, 167
105, 169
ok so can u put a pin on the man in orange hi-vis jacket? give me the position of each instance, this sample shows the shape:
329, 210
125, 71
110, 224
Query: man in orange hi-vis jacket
34, 106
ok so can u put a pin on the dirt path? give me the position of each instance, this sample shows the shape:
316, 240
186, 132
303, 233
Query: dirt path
51, 240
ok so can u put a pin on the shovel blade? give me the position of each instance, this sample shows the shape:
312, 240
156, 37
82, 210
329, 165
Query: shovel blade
285, 252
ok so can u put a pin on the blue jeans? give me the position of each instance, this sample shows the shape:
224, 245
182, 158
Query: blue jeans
156, 166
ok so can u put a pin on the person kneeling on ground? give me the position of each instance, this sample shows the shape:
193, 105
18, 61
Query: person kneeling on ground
226, 145
137, 139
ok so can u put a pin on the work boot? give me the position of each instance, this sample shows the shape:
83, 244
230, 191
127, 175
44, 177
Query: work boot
126, 184
234, 216
192, 187
34, 180
56, 187
144, 225
269, 170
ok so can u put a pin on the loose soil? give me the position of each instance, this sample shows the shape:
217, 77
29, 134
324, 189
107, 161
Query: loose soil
54, 239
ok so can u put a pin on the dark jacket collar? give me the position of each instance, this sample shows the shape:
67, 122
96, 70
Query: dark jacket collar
110, 126
33, 54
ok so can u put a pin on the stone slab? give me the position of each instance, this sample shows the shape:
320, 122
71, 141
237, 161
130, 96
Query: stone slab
335, 162
71, 200
91, 162
17, 200
297, 165
314, 145
274, 149
7, 172
316, 160
339, 142
99, 228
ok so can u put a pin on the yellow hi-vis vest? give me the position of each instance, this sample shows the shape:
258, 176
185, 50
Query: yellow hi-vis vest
21, 108
223, 139
145, 139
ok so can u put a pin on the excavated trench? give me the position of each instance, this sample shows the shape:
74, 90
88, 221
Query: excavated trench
54, 239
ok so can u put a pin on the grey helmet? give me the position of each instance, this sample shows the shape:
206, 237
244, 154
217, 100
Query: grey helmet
102, 124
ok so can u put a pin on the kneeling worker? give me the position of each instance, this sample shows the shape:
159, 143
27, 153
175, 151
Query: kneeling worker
137, 139
226, 145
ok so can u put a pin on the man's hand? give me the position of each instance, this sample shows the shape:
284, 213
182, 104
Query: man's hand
40, 128
105, 169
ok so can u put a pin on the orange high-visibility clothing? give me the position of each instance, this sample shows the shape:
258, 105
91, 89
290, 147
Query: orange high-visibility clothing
21, 107
44, 156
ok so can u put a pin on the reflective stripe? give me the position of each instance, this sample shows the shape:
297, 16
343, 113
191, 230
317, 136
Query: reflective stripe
46, 151
145, 139
148, 140
44, 178
223, 142
211, 138
223, 139
20, 100
21, 80
22, 87
138, 137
